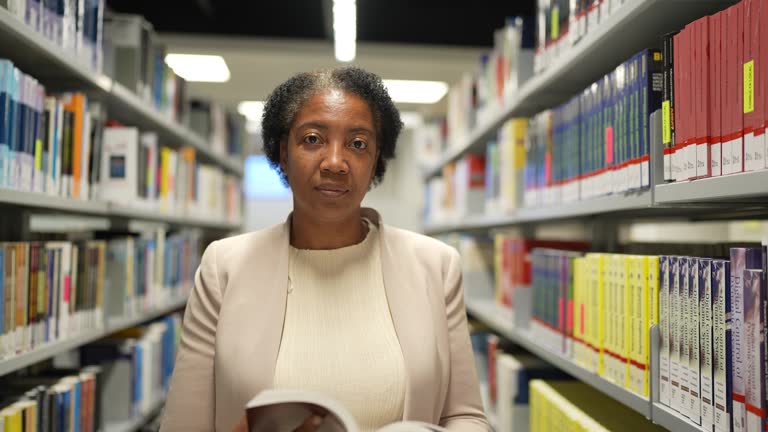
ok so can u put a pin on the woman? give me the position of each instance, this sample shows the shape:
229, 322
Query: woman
332, 300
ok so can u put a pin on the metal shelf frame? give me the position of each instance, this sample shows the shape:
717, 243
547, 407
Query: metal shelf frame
42, 202
585, 62
500, 319
52, 349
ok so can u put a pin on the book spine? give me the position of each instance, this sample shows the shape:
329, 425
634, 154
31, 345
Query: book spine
754, 332
685, 343
694, 385
675, 373
706, 347
665, 314
715, 96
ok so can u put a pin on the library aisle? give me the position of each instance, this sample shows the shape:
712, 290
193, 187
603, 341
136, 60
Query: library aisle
601, 166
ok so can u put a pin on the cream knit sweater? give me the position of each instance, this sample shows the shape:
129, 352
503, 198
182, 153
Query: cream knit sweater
338, 335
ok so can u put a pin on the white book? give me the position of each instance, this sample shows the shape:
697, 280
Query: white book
685, 346
721, 338
286, 410
738, 264
664, 330
705, 338
119, 165
754, 357
675, 374
694, 399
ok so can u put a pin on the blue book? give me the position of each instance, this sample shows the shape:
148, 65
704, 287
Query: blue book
14, 130
5, 77
76, 405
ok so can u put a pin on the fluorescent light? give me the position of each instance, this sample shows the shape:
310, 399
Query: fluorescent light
411, 91
252, 110
201, 68
344, 29
411, 119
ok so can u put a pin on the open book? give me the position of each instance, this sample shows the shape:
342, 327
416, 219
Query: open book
286, 410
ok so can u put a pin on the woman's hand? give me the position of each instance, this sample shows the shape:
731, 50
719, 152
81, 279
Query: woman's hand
311, 424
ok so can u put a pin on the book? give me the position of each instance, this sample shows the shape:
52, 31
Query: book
694, 340
286, 410
675, 334
741, 259
706, 343
665, 325
754, 350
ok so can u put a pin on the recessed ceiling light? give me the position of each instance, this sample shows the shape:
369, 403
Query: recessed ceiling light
252, 110
411, 119
200, 68
344, 29
412, 91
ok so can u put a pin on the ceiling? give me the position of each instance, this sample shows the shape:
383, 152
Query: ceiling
265, 42
390, 21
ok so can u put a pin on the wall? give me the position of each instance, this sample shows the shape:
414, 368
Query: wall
398, 198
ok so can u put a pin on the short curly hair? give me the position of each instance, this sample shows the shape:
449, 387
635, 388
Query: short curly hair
286, 100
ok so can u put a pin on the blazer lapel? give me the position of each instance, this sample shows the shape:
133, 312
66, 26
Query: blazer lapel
259, 302
409, 306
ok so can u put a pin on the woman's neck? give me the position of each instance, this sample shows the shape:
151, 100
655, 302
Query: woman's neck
309, 233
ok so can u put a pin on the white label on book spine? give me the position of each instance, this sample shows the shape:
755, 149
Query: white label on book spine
702, 160
715, 159
726, 157
759, 151
737, 155
645, 174
749, 151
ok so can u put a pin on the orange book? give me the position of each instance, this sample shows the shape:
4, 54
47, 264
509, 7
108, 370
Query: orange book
188, 156
76, 104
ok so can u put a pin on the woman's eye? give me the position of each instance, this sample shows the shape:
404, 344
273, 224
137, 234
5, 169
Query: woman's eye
312, 139
359, 145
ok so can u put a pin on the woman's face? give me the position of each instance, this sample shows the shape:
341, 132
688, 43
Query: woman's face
330, 154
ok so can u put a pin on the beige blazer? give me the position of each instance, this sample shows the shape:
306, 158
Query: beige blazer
234, 319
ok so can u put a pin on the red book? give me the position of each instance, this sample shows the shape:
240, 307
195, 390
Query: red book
713, 121
758, 143
748, 58
727, 89
690, 102
703, 156
737, 151
763, 74
677, 41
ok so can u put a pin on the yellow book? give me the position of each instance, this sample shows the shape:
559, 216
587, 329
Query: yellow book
12, 416
654, 274
165, 165
578, 312
625, 298
644, 352
609, 319
632, 319
596, 303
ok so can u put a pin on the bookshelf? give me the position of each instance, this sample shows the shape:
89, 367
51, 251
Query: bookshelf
54, 348
40, 58
49, 203
501, 320
584, 62
636, 201
139, 421
749, 187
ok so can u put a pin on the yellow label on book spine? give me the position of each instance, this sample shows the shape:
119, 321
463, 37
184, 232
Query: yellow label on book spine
666, 122
555, 24
38, 155
749, 86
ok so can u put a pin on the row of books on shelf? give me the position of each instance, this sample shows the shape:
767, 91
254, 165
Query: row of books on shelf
523, 46
714, 112
76, 27
53, 291
126, 48
62, 145
115, 380
561, 24
597, 143
598, 308
512, 382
